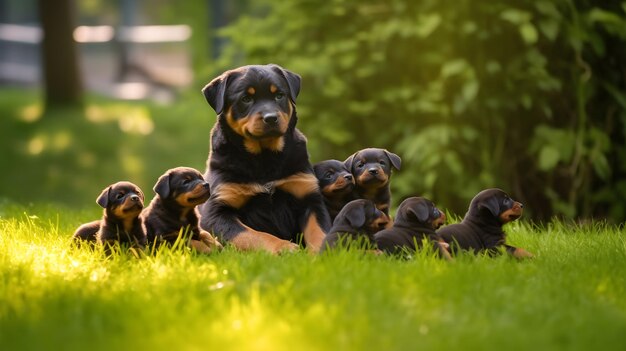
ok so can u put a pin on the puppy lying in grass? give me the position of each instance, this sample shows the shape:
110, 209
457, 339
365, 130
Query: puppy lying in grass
481, 228
416, 220
355, 225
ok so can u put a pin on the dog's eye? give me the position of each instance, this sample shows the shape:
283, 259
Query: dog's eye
186, 181
119, 196
436, 212
382, 162
246, 99
279, 96
359, 165
328, 175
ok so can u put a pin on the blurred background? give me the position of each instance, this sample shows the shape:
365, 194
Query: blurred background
528, 96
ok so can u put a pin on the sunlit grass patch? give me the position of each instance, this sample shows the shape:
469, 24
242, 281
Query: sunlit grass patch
57, 296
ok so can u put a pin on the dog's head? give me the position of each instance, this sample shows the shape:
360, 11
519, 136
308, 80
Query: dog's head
495, 204
372, 167
122, 200
362, 215
186, 186
256, 102
419, 211
334, 178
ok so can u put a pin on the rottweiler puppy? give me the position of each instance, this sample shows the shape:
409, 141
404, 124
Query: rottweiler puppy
336, 183
481, 228
264, 194
120, 223
372, 170
417, 219
173, 210
356, 224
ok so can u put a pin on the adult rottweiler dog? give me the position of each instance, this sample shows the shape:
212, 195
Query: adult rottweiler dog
120, 223
417, 219
356, 224
336, 183
264, 194
372, 170
172, 212
481, 228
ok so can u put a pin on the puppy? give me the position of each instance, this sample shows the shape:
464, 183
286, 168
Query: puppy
372, 170
417, 219
264, 194
355, 224
481, 228
336, 183
173, 209
120, 223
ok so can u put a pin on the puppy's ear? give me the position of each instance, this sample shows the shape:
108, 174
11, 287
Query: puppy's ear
214, 92
349, 161
356, 217
103, 199
140, 193
420, 211
162, 186
490, 204
395, 160
293, 80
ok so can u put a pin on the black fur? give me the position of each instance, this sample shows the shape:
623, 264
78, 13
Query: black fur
417, 219
481, 228
356, 223
373, 165
273, 211
336, 183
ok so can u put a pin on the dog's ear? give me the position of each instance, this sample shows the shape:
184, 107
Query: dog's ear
293, 80
420, 211
103, 199
492, 204
162, 186
140, 193
395, 160
356, 217
214, 92
349, 161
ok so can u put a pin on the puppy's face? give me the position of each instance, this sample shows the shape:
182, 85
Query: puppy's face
497, 204
372, 167
184, 185
362, 215
334, 178
122, 200
420, 211
257, 101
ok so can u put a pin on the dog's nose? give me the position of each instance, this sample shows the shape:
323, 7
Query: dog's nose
205, 185
373, 171
348, 176
134, 198
270, 118
521, 205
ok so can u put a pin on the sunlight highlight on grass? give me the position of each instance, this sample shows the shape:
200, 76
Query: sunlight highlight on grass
133, 119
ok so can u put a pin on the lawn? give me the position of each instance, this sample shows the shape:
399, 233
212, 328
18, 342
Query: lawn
572, 296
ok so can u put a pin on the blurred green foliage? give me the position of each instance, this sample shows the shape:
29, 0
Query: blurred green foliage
528, 96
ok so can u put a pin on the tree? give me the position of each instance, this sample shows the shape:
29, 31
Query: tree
60, 64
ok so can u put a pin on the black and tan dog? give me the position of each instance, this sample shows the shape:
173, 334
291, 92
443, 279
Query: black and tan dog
417, 219
356, 224
264, 194
120, 223
336, 183
481, 228
172, 212
371, 169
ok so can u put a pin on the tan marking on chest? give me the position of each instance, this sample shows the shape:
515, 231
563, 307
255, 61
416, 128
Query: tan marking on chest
237, 195
298, 185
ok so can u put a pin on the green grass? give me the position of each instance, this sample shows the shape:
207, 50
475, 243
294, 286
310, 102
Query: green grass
54, 296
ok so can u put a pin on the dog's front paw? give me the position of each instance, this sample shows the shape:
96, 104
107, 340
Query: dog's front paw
282, 246
522, 254
210, 241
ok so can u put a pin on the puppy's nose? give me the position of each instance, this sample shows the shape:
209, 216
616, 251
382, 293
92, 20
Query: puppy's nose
205, 185
373, 171
270, 118
521, 205
134, 198
348, 177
